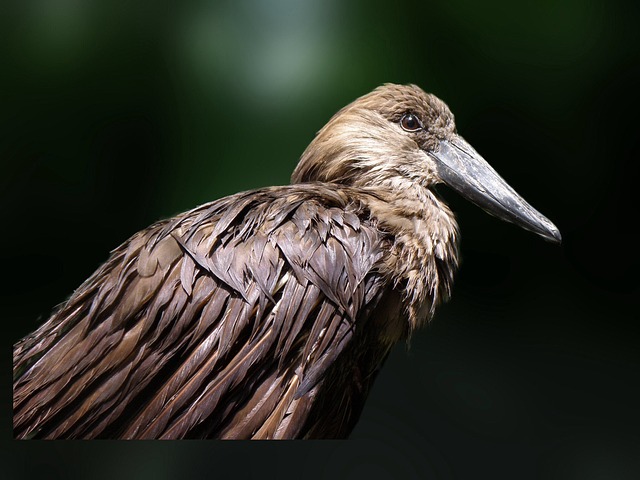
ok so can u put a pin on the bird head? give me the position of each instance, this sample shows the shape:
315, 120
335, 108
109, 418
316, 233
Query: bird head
398, 134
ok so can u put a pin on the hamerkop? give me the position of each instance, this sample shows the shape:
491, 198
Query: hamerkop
267, 314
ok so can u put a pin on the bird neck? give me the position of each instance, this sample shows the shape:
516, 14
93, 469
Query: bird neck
424, 254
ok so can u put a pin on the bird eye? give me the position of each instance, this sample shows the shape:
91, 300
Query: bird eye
410, 123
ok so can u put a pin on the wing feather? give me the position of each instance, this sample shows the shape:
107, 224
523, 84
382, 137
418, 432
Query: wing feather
222, 322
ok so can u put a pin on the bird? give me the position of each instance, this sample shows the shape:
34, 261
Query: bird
267, 314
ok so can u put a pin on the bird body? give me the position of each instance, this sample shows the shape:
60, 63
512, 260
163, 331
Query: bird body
265, 314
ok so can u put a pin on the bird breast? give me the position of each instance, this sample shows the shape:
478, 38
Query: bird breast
424, 255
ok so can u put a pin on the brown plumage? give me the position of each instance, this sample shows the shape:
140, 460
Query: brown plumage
267, 314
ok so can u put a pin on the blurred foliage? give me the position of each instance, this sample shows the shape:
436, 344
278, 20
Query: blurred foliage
115, 114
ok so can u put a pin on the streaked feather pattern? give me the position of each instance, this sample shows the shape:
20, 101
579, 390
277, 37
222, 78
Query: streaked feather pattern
221, 322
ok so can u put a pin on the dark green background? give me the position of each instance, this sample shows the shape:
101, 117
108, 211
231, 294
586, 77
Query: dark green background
117, 114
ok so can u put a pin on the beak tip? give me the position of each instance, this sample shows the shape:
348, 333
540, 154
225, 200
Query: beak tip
553, 235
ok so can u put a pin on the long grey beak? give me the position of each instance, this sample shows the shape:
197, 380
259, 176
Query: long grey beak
464, 170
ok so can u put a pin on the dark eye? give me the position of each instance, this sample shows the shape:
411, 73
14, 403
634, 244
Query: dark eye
410, 123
